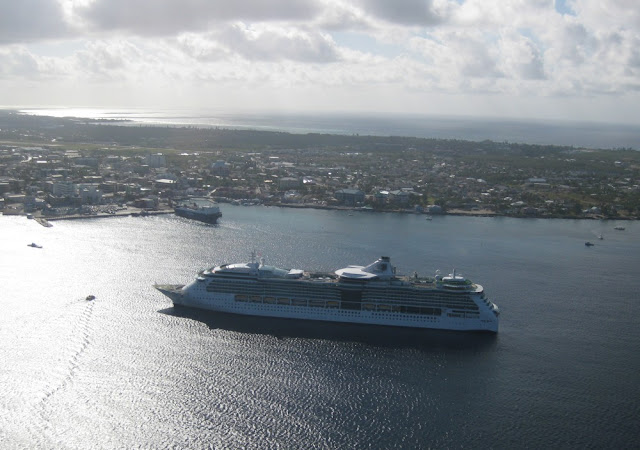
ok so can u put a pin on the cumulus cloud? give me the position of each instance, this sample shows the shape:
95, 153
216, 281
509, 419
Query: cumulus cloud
108, 60
612, 14
460, 47
521, 58
459, 55
162, 17
342, 15
32, 20
260, 43
18, 62
406, 12
267, 43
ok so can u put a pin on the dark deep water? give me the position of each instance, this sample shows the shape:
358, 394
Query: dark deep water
128, 370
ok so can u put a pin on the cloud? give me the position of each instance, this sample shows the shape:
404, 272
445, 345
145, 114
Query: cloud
510, 48
612, 14
32, 20
265, 43
18, 62
338, 15
108, 60
521, 57
166, 17
459, 55
406, 12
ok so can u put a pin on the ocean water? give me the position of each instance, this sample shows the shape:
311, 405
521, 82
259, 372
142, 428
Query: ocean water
543, 132
127, 370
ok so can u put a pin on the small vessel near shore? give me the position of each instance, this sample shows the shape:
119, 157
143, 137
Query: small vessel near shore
201, 209
372, 294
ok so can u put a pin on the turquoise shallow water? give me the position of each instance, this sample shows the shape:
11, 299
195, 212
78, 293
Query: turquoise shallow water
128, 370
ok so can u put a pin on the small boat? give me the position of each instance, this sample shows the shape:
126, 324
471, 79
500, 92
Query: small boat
600, 237
619, 228
588, 244
34, 245
90, 297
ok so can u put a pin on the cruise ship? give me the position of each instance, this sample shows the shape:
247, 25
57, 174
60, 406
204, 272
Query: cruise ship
372, 294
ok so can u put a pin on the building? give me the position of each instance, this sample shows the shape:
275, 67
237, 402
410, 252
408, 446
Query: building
155, 160
399, 197
89, 193
64, 189
220, 168
287, 183
349, 197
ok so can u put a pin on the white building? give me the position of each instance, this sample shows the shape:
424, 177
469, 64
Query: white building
155, 160
64, 189
89, 193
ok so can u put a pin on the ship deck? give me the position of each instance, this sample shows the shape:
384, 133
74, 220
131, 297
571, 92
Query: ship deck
427, 283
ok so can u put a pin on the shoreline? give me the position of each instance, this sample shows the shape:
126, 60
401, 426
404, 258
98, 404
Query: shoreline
452, 212
135, 212
105, 215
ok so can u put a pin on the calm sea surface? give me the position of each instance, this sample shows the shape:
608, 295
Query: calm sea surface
127, 370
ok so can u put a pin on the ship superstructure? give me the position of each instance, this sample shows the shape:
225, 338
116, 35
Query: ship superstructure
372, 294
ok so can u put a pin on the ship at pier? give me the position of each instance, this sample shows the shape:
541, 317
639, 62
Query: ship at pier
201, 209
372, 294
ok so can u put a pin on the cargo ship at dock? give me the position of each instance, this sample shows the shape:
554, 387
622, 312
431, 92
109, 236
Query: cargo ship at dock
371, 294
200, 209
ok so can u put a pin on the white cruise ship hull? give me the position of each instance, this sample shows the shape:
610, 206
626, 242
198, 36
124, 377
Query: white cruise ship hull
196, 296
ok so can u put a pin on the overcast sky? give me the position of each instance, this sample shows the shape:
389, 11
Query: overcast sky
562, 59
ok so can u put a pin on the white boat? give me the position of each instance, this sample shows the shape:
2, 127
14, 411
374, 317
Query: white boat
371, 294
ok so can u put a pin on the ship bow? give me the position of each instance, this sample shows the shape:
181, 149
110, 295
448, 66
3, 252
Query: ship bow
173, 291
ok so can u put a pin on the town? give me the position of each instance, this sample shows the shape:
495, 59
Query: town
68, 168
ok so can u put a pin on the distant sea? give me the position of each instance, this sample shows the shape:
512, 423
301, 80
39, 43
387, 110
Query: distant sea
127, 370
578, 134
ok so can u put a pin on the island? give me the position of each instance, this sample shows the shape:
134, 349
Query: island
57, 168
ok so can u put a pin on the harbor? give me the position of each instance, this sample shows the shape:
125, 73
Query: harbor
131, 357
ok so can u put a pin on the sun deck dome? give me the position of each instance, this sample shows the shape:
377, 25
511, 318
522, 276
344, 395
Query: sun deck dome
381, 269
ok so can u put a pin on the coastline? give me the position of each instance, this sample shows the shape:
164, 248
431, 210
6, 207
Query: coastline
135, 212
105, 215
452, 212
45, 220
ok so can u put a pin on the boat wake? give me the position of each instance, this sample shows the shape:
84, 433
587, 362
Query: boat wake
65, 369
